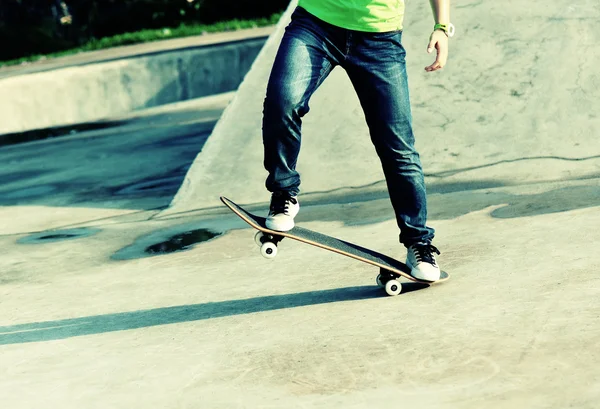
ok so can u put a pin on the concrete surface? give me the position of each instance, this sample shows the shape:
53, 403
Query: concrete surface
97, 85
107, 301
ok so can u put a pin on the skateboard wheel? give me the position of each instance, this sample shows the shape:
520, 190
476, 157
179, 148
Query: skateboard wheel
393, 287
379, 280
258, 238
268, 250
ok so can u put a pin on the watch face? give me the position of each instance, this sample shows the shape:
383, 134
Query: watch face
451, 30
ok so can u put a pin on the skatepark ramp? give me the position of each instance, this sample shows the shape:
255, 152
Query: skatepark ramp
104, 84
514, 105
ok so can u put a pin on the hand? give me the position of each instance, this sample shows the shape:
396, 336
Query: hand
439, 42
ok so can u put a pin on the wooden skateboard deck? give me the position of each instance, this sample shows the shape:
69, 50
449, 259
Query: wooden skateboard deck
390, 268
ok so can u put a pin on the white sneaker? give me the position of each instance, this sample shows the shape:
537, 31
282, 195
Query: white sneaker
421, 260
284, 207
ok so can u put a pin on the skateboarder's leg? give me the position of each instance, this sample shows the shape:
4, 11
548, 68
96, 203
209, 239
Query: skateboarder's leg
306, 56
378, 73
302, 63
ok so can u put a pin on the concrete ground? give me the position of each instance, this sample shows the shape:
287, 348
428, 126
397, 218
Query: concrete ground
110, 298
100, 308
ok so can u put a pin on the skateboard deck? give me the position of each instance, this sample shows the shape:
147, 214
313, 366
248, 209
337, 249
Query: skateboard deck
390, 268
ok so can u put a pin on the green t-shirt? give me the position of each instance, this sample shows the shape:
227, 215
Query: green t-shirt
359, 15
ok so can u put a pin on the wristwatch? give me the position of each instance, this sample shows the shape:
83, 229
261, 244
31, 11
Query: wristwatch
446, 28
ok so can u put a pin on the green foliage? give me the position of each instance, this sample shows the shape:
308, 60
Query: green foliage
144, 36
54, 27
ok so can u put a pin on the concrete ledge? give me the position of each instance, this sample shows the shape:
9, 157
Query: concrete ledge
94, 86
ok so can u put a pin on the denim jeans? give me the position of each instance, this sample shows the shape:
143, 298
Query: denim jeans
375, 64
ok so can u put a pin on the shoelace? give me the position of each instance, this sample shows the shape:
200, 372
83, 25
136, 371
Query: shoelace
424, 253
281, 204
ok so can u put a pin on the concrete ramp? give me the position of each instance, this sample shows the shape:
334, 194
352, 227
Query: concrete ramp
516, 104
99, 85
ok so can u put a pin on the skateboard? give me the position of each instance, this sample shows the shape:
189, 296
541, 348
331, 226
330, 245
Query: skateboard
390, 269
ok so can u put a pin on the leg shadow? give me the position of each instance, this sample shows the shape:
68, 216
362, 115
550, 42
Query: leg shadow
75, 327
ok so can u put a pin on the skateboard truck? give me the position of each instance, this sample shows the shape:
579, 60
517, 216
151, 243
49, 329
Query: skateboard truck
389, 280
267, 243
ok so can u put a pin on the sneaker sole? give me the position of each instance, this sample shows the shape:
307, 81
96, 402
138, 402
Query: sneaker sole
422, 277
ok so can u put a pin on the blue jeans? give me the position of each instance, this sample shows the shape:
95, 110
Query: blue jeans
375, 64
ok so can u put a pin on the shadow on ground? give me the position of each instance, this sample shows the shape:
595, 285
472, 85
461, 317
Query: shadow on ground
356, 208
75, 327
137, 166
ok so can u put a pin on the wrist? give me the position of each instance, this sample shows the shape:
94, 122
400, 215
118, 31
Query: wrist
447, 28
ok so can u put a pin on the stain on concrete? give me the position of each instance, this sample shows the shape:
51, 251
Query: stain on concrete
181, 242
175, 239
53, 236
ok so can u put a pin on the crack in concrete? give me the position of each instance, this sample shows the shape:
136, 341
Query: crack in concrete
457, 171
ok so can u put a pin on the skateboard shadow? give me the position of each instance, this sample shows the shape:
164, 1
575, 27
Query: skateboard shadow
98, 324
410, 287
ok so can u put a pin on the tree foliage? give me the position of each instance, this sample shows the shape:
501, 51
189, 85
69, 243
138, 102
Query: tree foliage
29, 27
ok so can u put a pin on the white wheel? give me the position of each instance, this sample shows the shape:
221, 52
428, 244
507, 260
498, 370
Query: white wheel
258, 237
393, 287
379, 282
268, 250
